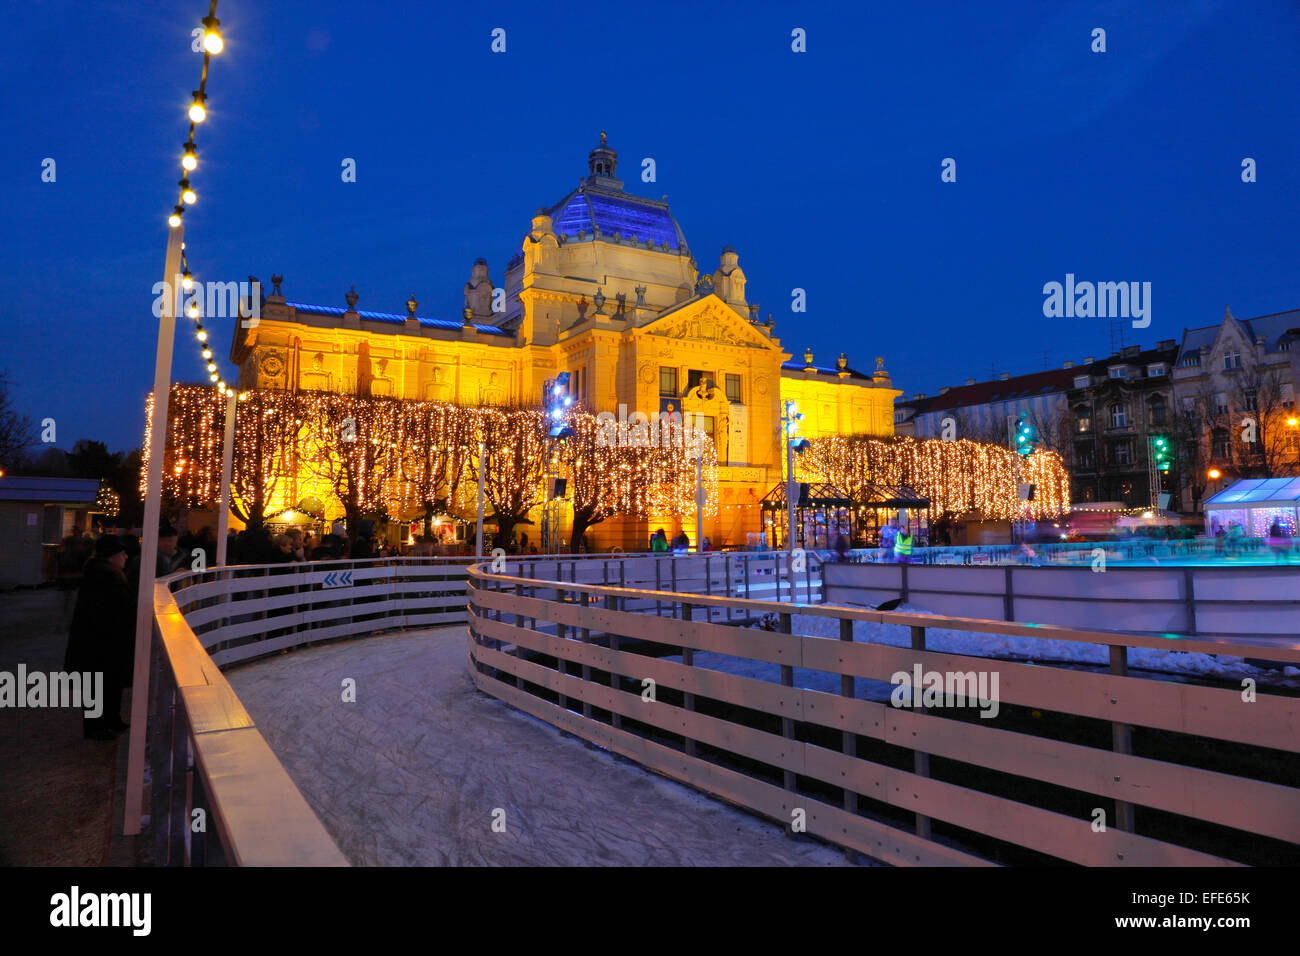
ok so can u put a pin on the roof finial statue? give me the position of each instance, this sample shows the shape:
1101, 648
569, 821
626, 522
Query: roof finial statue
842, 362
602, 137
275, 284
411, 305
808, 357
352, 297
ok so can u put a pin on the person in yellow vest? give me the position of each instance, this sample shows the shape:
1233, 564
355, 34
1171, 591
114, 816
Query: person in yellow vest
903, 546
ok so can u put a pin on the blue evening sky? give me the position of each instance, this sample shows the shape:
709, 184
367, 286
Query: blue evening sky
821, 168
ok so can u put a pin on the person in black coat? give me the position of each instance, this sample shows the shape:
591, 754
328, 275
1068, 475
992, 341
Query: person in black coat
102, 635
362, 547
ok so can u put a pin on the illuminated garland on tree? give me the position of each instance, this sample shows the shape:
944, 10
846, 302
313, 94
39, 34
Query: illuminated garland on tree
956, 476
363, 455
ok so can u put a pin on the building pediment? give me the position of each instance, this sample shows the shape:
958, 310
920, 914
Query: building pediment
708, 319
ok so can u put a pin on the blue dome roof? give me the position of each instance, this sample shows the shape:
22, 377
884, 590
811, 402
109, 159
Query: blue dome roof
593, 210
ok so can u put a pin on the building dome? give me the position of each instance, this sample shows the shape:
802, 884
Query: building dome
601, 210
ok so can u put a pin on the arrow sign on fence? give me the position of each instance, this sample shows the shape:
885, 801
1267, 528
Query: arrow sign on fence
337, 579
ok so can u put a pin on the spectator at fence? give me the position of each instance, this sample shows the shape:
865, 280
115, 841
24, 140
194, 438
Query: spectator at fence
170, 558
102, 635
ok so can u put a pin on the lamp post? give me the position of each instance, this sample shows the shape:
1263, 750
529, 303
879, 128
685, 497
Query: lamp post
482, 454
790, 419
227, 466
149, 535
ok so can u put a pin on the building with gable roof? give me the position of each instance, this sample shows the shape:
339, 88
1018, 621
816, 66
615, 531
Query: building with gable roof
605, 287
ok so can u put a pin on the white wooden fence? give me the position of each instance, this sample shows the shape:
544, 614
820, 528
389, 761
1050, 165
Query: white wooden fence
580, 655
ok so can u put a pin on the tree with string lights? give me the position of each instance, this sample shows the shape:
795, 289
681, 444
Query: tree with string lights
514, 464
433, 453
268, 427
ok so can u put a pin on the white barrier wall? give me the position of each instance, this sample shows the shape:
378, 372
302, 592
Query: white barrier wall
1249, 603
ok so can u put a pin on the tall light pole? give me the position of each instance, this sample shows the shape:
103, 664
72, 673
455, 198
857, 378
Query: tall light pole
478, 534
162, 375
227, 466
790, 419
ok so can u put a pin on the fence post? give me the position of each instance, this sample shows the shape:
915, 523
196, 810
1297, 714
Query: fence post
1189, 596
1121, 737
659, 586
850, 739
688, 659
519, 648
584, 635
560, 666
726, 570
787, 680
708, 587
920, 761
611, 604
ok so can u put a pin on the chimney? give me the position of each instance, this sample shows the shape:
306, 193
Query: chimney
1165, 344
1004, 376
1130, 350
1089, 360
944, 390
918, 395
1068, 365
969, 381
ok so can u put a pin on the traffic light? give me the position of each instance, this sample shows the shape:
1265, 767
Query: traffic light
1162, 452
1026, 436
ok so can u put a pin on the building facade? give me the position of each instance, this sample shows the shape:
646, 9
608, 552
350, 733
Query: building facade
1118, 407
1235, 384
604, 287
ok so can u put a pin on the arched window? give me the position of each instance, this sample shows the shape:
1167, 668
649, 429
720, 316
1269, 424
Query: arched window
1156, 407
1118, 415
1083, 415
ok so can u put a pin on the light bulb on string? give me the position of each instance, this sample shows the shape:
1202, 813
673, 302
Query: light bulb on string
189, 158
212, 41
198, 109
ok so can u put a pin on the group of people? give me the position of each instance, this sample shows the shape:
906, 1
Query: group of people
896, 543
104, 576
659, 543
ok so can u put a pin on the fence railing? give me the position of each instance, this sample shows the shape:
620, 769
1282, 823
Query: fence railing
206, 753
1085, 767
1253, 604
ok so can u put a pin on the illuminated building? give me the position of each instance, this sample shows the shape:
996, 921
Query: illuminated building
605, 287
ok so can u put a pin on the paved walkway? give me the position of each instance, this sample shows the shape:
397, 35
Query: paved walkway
56, 788
412, 773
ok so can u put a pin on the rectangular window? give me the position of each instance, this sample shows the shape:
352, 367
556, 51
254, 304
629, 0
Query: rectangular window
1080, 381
706, 423
1231, 360
1220, 403
1118, 372
667, 381
695, 377
1249, 401
1123, 453
1156, 369
733, 388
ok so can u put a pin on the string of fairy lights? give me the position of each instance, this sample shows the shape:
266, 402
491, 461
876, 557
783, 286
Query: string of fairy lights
198, 111
957, 477
383, 455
